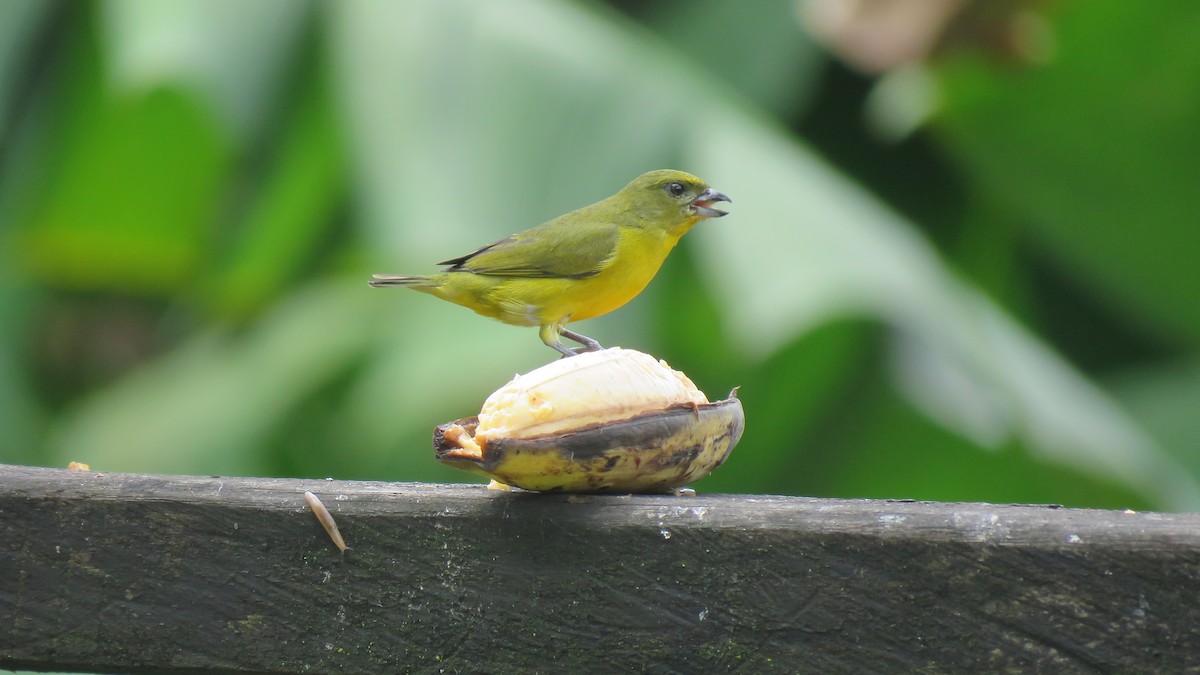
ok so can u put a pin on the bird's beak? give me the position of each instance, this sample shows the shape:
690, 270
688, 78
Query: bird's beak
702, 204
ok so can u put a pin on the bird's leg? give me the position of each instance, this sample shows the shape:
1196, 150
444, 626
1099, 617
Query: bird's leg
589, 345
549, 334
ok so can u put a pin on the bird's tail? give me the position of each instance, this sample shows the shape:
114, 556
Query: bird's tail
416, 282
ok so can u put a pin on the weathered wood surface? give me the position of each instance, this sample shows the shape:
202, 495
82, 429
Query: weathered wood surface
134, 573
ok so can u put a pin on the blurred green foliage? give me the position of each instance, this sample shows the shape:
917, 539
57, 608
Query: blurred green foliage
1000, 305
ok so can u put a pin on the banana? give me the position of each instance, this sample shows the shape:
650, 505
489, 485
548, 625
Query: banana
615, 420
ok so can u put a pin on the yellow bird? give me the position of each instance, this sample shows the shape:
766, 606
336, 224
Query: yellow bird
579, 265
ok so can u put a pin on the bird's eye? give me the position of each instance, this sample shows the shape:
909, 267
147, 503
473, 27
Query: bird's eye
676, 189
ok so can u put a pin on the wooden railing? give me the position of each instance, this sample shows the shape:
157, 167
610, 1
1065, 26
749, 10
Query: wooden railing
106, 572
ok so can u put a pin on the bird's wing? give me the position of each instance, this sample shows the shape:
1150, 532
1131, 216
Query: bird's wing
557, 249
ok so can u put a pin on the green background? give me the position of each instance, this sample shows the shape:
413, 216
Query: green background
997, 299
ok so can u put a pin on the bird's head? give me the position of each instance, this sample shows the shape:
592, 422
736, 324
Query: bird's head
672, 198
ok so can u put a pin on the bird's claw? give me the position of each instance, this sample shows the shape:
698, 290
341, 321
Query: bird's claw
550, 333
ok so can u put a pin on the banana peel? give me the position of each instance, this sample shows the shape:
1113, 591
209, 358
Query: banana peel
610, 421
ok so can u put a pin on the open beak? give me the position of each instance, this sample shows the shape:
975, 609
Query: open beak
702, 205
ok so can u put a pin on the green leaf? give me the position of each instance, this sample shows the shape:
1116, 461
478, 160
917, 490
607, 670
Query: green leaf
291, 211
130, 207
231, 52
889, 450
1097, 151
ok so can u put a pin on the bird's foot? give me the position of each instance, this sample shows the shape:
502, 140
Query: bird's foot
589, 345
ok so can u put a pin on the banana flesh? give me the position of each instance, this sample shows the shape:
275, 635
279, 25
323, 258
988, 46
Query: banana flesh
591, 388
615, 420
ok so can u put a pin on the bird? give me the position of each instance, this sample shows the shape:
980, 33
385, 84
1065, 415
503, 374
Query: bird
577, 266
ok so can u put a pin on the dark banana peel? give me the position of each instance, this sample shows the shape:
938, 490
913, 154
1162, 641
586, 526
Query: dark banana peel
655, 451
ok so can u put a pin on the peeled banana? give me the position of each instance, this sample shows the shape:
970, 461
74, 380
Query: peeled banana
614, 420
